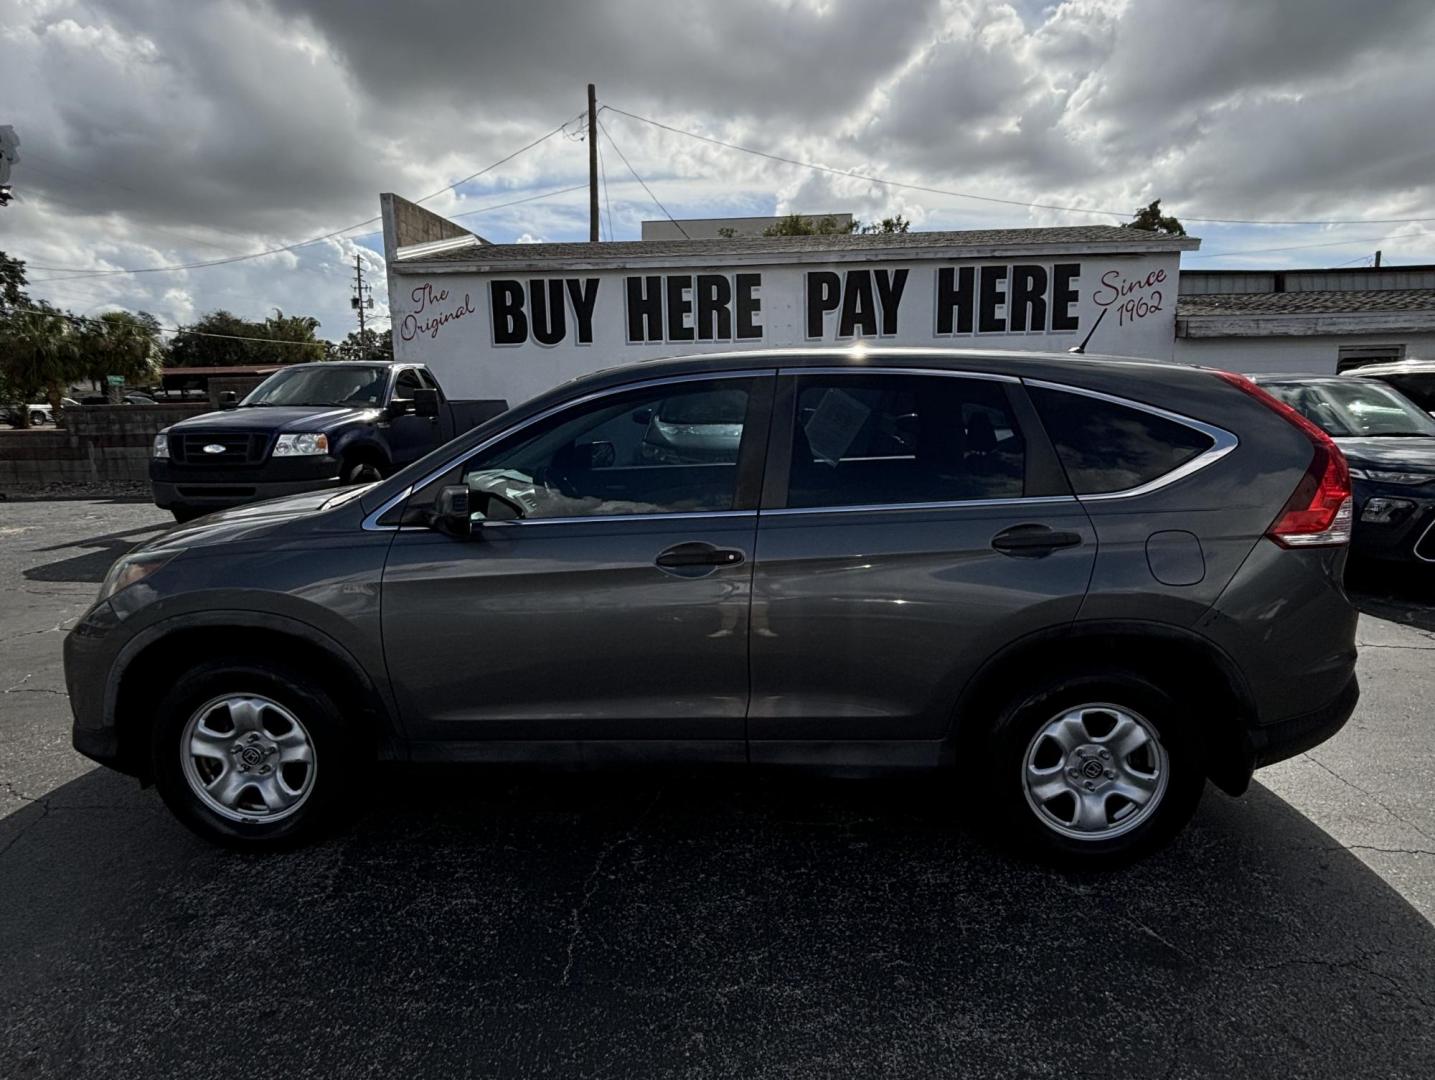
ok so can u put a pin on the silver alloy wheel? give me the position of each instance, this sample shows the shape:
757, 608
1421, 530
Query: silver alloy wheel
248, 758
1095, 771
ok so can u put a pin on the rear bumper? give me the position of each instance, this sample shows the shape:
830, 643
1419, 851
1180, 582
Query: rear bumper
1287, 738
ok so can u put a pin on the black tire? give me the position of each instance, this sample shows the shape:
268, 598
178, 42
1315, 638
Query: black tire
338, 752
37, 419
186, 513
1038, 832
362, 471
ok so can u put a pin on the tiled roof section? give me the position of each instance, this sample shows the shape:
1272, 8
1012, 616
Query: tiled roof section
770, 245
1305, 303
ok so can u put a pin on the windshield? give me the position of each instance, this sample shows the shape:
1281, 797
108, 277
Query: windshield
1354, 409
329, 384
1419, 387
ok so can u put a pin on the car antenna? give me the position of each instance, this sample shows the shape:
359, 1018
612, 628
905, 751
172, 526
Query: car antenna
1078, 350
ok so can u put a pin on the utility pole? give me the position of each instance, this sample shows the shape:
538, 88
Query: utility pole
592, 164
361, 300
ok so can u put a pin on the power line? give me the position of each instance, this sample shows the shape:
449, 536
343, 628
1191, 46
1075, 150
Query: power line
84, 272
638, 178
1293, 247
518, 202
989, 198
603, 171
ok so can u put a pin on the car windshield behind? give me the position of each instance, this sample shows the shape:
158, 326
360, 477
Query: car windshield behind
1354, 409
329, 384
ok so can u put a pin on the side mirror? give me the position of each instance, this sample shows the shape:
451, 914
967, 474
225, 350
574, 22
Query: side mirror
228, 399
492, 506
426, 403
643, 416
451, 513
398, 407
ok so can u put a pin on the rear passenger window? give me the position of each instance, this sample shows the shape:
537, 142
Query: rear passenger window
1107, 447
881, 440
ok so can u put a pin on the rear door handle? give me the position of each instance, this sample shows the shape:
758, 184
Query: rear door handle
1033, 541
696, 558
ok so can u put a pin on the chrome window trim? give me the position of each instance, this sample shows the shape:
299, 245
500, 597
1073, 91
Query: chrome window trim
1222, 441
371, 522
951, 504
590, 519
944, 373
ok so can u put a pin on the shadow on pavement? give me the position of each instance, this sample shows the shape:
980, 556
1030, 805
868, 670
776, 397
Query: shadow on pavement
701, 924
92, 565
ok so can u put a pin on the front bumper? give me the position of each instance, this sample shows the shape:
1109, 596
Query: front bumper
90, 650
204, 488
1408, 536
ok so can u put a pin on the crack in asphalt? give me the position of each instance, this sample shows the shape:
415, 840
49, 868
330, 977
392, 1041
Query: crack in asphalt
1357, 964
59, 626
1368, 794
590, 886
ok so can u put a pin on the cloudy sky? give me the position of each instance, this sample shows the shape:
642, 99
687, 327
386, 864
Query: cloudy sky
157, 132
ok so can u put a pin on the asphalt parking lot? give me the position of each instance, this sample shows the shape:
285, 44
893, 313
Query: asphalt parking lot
701, 924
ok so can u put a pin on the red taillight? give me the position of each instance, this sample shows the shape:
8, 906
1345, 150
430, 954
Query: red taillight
1319, 510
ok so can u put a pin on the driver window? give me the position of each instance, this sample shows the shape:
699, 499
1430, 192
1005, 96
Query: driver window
406, 384
660, 450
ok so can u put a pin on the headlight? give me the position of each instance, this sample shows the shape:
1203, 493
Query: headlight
1390, 476
131, 569
161, 446
301, 445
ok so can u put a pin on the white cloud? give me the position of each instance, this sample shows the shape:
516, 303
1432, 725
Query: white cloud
156, 133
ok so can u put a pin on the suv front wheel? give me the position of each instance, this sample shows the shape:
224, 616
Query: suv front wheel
1095, 769
250, 754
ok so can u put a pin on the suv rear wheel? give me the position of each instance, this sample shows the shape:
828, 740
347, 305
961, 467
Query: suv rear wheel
252, 755
1095, 769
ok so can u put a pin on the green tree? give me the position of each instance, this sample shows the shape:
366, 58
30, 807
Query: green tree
120, 343
12, 282
39, 354
1150, 219
897, 224
797, 225
221, 339
372, 346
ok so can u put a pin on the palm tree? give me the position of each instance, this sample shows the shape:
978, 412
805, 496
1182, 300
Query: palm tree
39, 353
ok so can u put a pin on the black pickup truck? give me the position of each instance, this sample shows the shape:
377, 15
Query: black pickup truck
307, 427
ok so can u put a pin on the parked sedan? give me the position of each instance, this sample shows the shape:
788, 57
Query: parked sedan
1390, 444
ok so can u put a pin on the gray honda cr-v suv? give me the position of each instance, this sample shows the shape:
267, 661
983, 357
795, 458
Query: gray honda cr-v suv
1089, 584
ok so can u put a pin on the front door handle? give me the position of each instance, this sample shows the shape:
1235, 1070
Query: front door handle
1033, 541
697, 558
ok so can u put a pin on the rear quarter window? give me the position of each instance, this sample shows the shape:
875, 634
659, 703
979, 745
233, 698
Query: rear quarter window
1107, 447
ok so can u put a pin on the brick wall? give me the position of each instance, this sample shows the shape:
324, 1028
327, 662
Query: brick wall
98, 444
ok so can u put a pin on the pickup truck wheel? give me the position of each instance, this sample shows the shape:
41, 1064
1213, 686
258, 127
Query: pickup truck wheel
362, 472
37, 418
1094, 770
252, 755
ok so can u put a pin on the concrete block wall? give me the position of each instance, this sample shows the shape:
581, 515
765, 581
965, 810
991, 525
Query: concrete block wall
99, 444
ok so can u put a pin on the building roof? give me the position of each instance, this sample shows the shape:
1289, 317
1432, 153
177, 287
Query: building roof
1323, 302
980, 242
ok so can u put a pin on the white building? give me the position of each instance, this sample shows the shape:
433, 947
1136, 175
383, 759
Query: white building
507, 321
1318, 321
